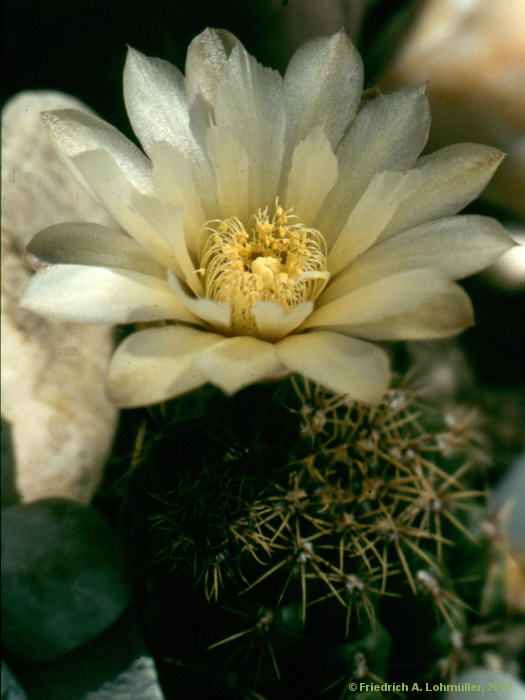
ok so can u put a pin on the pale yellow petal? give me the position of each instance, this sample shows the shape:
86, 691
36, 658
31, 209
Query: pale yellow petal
90, 244
216, 313
173, 180
388, 134
109, 182
456, 246
249, 103
157, 226
383, 298
238, 362
312, 175
232, 173
166, 219
370, 216
157, 364
451, 178
205, 59
439, 316
88, 294
342, 365
74, 132
273, 323
156, 104
323, 83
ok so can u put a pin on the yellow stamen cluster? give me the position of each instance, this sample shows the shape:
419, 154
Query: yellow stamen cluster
275, 258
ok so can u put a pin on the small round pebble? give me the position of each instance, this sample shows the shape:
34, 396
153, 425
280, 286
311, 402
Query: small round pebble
65, 577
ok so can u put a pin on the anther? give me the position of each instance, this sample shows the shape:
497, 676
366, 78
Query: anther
274, 258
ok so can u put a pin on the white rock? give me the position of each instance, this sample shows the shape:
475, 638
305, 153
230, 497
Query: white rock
53, 388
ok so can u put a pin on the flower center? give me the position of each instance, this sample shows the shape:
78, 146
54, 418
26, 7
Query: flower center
275, 258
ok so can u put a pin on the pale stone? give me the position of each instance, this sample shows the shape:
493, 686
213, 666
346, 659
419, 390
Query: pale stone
472, 54
53, 388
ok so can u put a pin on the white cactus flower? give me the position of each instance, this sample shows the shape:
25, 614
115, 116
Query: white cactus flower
272, 224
